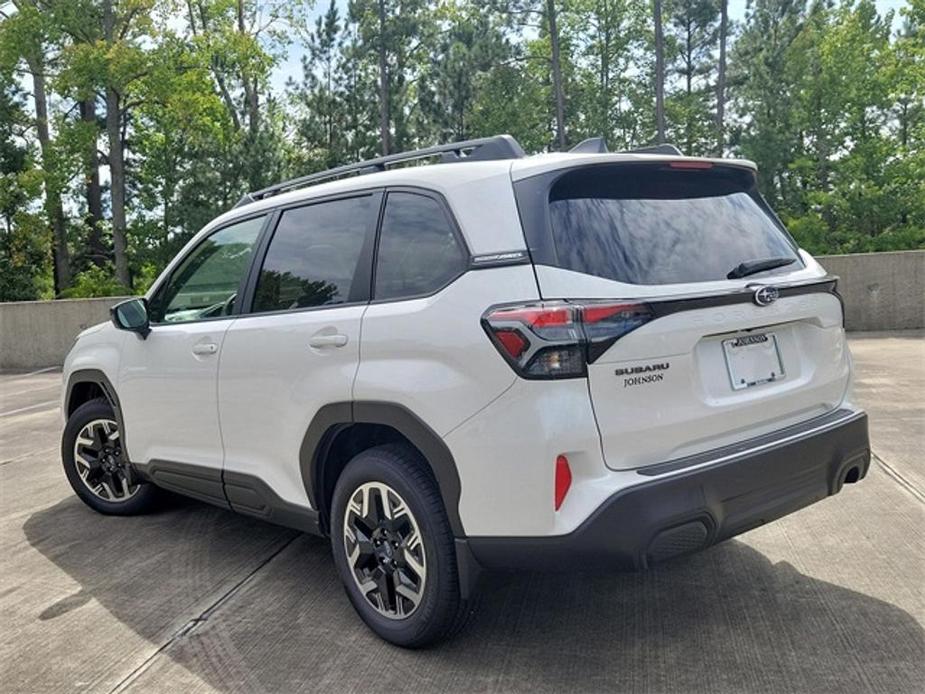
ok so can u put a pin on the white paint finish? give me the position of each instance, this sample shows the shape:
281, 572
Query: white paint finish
432, 356
694, 407
272, 382
99, 349
506, 458
168, 393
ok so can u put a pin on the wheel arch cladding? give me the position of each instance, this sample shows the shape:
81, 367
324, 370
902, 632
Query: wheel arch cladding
87, 384
335, 426
84, 385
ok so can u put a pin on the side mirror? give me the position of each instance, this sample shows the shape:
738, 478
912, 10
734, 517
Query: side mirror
132, 315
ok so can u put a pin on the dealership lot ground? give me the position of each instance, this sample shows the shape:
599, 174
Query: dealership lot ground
196, 599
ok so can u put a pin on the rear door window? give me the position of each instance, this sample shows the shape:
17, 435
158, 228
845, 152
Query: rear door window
643, 224
313, 256
419, 253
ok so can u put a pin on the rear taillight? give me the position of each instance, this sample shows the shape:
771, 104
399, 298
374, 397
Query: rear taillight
558, 339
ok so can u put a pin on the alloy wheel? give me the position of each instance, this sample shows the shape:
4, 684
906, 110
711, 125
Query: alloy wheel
385, 551
98, 459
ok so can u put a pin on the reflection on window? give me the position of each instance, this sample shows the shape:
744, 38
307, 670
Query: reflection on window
313, 256
418, 251
205, 285
661, 227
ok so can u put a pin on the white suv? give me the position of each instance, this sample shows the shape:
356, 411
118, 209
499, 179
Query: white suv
494, 361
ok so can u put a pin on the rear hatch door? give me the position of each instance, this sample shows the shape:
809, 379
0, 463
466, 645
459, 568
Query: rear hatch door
741, 332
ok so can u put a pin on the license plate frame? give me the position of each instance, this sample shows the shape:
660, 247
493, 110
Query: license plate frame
752, 360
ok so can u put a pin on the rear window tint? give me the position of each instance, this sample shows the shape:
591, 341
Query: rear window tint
313, 255
418, 251
655, 225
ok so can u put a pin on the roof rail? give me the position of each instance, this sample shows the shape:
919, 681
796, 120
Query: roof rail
481, 149
656, 149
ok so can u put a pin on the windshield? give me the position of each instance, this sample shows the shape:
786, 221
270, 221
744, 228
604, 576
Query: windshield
641, 224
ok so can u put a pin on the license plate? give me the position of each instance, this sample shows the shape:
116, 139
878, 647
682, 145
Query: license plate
752, 360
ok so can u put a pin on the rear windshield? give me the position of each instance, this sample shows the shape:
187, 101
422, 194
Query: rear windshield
645, 224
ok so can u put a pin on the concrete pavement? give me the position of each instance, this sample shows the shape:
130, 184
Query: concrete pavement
196, 599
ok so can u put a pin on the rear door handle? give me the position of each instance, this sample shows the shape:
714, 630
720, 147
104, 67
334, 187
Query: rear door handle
336, 340
205, 348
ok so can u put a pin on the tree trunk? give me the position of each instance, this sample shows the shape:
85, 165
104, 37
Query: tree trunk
117, 185
251, 97
214, 64
556, 73
721, 79
604, 98
384, 115
95, 246
659, 74
116, 159
53, 208
689, 75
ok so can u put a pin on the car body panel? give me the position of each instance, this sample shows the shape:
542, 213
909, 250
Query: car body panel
168, 393
431, 354
272, 382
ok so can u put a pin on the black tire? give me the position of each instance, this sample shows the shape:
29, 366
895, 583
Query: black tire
143, 500
440, 612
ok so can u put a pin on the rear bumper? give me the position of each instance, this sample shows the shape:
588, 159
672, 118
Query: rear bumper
686, 510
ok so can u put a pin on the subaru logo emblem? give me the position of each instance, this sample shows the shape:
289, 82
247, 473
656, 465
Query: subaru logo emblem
765, 295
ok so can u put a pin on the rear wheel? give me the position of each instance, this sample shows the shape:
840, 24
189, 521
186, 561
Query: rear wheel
91, 450
394, 548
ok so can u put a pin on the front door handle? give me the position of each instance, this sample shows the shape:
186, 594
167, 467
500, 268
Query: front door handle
205, 348
336, 340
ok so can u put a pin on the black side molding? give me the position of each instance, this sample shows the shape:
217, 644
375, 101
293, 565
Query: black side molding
195, 481
235, 491
252, 496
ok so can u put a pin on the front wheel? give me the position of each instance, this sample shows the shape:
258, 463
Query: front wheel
91, 450
394, 548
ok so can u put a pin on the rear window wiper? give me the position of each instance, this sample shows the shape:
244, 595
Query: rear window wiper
751, 267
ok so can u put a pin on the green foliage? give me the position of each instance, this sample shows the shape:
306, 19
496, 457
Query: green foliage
834, 123
824, 95
95, 281
24, 241
24, 250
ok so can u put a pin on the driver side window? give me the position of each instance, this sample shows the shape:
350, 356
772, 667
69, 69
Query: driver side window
205, 284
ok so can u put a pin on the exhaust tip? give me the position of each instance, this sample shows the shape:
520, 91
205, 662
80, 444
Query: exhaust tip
853, 475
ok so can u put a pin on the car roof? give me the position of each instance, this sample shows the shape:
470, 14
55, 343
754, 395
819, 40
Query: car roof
478, 193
